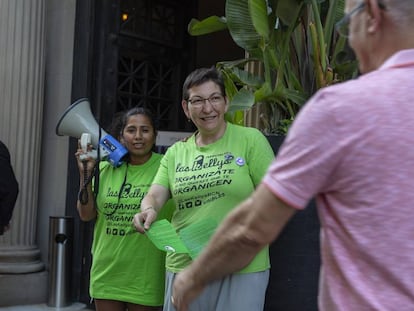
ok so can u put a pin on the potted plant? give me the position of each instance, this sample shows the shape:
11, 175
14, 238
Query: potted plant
294, 50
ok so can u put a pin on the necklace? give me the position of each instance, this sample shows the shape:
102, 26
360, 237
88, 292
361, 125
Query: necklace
119, 193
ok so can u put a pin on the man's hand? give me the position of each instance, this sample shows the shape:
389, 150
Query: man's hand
184, 290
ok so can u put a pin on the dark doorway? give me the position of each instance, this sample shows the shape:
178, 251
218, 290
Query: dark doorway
142, 57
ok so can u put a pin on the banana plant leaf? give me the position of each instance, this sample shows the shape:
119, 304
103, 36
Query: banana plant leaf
295, 46
209, 25
240, 25
242, 100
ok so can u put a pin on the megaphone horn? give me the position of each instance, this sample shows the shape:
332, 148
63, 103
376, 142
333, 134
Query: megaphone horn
78, 119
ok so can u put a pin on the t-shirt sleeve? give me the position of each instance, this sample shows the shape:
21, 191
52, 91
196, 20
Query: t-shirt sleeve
161, 178
261, 156
309, 154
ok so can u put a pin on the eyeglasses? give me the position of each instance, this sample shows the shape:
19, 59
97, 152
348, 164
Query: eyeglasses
214, 100
342, 27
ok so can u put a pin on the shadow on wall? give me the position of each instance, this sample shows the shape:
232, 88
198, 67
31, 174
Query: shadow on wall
295, 260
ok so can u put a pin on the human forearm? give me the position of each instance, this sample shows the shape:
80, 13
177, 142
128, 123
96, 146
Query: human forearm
86, 198
155, 198
150, 202
232, 247
251, 226
150, 206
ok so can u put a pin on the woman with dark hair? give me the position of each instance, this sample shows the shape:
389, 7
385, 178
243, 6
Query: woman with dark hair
127, 271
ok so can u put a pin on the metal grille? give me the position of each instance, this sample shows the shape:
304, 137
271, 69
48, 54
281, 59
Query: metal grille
150, 58
148, 84
154, 20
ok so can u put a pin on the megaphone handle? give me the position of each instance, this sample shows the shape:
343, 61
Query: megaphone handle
85, 173
83, 193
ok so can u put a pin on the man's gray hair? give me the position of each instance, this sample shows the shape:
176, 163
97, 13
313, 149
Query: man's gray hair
401, 11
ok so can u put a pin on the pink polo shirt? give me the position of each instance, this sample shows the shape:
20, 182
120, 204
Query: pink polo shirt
352, 146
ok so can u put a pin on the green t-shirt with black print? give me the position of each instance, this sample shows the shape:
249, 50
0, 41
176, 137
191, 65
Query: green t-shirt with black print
208, 182
126, 266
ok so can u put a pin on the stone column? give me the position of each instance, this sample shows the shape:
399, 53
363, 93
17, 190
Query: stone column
22, 59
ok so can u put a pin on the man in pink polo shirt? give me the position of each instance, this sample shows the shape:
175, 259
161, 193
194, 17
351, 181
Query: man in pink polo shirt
351, 147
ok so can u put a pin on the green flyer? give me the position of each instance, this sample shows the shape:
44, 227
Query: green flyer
190, 240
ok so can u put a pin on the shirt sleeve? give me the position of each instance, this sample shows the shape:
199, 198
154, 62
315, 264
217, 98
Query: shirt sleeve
161, 178
309, 154
9, 187
260, 156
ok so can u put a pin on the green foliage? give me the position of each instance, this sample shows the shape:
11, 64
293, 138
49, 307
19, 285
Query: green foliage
296, 47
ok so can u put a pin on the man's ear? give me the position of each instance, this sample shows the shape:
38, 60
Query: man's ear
374, 12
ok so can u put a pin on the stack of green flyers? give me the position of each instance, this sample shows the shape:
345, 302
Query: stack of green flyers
190, 240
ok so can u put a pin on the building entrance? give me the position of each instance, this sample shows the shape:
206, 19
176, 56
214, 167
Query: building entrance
127, 53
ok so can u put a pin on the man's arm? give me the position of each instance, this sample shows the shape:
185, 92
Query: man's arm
248, 228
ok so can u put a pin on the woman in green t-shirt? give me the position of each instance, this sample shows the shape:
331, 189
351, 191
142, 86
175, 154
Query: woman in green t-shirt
128, 272
207, 175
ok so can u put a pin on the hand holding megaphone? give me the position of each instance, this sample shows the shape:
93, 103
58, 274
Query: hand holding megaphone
85, 141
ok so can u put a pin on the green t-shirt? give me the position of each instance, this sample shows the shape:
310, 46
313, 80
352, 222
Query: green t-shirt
208, 182
125, 264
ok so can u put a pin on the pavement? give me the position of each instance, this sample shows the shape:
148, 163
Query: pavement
44, 307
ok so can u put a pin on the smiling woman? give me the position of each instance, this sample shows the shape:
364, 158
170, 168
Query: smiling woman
138, 135
205, 104
207, 175
127, 270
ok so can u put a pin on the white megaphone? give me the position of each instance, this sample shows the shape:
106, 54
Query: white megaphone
78, 120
